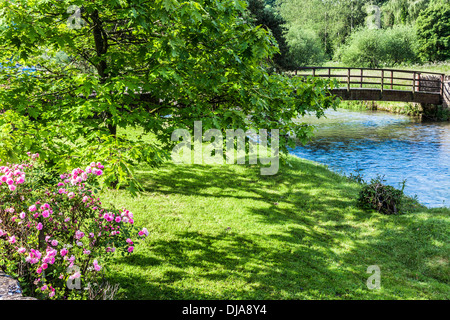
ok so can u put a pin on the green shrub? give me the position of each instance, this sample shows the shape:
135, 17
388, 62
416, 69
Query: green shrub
399, 44
383, 198
305, 47
377, 47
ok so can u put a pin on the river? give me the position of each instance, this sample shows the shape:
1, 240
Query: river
375, 143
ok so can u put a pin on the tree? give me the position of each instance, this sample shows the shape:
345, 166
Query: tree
305, 47
264, 15
332, 20
433, 32
402, 11
379, 47
109, 69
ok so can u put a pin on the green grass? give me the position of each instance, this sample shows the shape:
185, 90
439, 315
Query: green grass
226, 232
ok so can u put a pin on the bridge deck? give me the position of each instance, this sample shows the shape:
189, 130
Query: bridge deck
366, 94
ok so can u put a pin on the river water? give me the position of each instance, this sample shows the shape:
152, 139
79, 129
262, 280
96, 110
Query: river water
375, 143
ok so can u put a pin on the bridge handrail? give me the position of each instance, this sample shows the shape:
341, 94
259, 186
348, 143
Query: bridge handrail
417, 79
374, 69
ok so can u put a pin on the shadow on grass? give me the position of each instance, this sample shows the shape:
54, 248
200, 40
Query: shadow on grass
322, 252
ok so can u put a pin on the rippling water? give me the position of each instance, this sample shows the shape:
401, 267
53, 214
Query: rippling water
392, 145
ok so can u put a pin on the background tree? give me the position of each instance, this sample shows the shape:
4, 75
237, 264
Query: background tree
305, 47
376, 48
332, 20
114, 83
266, 16
402, 11
433, 31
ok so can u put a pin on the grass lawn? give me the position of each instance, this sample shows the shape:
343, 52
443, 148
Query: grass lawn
226, 232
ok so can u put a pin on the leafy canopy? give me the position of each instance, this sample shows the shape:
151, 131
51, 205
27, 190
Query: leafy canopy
116, 77
433, 31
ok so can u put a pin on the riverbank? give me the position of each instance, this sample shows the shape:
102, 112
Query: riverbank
437, 113
226, 232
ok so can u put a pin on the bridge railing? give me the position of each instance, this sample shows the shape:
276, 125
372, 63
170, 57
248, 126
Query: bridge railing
393, 79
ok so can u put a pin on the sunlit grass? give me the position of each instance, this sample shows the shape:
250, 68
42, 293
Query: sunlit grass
226, 232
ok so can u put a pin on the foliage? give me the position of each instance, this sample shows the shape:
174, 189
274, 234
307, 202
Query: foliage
53, 234
383, 198
154, 66
377, 47
331, 20
305, 48
266, 16
433, 32
402, 11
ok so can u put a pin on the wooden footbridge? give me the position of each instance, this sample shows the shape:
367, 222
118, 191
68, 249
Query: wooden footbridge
384, 84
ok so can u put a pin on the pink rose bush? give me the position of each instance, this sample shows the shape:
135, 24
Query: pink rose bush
48, 230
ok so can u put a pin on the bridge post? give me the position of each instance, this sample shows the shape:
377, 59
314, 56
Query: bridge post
382, 80
414, 83
360, 85
348, 79
418, 81
392, 79
446, 92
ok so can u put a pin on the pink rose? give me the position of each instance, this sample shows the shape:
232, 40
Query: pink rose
143, 232
75, 275
63, 252
97, 267
79, 234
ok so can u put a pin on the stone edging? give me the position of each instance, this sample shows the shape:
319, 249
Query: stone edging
10, 289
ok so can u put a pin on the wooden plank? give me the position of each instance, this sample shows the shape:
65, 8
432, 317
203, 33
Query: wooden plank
387, 95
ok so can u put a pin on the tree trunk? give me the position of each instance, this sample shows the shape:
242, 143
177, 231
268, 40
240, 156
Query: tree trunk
101, 48
101, 45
